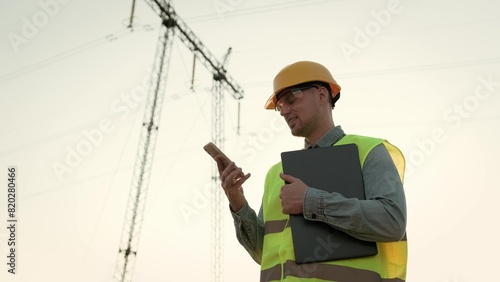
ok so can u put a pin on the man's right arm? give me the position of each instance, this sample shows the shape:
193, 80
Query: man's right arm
250, 230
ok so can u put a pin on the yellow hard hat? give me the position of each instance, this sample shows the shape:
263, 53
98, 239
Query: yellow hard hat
301, 72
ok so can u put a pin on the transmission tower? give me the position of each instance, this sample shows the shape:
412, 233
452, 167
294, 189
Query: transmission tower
171, 25
217, 203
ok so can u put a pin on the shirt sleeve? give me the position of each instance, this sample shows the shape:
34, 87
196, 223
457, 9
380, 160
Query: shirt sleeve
250, 230
379, 218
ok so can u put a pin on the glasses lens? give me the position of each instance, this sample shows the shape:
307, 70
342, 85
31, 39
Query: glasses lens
289, 96
288, 99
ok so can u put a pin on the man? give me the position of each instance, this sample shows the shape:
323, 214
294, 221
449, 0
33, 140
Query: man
305, 94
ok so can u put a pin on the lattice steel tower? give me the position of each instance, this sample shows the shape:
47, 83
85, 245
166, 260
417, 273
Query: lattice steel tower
172, 26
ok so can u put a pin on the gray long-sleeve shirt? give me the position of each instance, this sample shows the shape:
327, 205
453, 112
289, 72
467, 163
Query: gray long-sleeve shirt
379, 218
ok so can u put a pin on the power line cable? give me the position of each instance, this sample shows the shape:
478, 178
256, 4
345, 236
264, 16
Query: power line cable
106, 173
105, 202
408, 69
181, 148
113, 116
259, 9
398, 70
126, 31
203, 18
53, 189
65, 54
265, 83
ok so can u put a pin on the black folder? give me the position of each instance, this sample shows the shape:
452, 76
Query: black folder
332, 169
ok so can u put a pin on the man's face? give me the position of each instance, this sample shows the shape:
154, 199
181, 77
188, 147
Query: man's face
300, 109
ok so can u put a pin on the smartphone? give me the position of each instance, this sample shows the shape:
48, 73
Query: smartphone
214, 151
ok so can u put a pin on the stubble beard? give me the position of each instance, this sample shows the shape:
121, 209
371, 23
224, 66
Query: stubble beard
306, 128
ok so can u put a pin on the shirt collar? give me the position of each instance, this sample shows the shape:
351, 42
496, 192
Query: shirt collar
328, 139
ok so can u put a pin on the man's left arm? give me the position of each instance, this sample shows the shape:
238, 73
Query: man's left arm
381, 217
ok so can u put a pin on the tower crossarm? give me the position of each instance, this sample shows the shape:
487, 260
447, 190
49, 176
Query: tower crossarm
189, 38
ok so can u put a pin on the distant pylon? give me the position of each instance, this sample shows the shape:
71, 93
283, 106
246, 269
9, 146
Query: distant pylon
171, 24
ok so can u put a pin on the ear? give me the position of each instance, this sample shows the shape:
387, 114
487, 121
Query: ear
323, 95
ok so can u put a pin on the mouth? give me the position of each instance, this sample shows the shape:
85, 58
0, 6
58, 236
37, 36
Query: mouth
289, 121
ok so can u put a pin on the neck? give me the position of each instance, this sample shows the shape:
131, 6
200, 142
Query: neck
317, 134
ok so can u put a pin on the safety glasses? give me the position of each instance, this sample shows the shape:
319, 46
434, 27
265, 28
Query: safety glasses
288, 98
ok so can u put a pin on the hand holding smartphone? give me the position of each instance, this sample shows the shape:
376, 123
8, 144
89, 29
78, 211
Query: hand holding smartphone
232, 188
215, 153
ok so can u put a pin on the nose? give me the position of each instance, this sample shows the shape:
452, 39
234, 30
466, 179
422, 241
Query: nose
285, 109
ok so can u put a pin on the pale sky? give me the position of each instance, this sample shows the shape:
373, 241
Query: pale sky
425, 75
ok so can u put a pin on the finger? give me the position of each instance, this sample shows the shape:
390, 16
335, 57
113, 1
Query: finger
228, 176
288, 178
236, 174
242, 180
233, 167
222, 164
227, 170
284, 204
284, 209
233, 182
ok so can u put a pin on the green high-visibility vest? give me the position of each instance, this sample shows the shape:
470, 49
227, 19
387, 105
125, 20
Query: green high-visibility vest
278, 258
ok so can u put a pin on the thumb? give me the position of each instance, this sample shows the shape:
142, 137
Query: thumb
288, 178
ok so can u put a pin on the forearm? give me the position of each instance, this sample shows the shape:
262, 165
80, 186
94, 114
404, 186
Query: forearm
249, 231
381, 217
379, 220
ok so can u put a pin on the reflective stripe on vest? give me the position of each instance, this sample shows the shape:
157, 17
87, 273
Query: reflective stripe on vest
278, 258
292, 271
